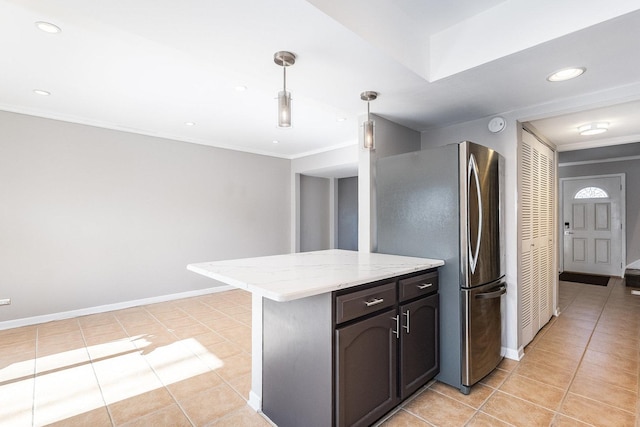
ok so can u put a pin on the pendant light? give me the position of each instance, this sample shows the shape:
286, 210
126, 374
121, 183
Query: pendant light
284, 59
368, 125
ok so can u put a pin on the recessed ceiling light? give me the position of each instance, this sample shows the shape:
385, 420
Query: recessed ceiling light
41, 92
341, 119
189, 123
48, 27
566, 74
275, 141
240, 88
593, 128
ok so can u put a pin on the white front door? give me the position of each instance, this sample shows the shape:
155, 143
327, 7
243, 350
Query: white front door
593, 224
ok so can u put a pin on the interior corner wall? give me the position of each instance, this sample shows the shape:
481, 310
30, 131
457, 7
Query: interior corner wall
90, 216
505, 143
390, 138
315, 212
347, 233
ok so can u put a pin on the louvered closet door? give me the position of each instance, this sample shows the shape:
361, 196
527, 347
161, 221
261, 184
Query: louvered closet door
537, 260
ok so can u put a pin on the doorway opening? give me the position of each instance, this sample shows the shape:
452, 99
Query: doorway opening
593, 225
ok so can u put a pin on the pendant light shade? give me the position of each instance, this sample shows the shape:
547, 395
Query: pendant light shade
284, 109
284, 59
369, 125
369, 130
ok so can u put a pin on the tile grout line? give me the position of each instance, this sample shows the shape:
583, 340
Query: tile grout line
158, 376
35, 370
224, 381
573, 377
95, 374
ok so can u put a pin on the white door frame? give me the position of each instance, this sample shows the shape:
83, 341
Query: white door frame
623, 218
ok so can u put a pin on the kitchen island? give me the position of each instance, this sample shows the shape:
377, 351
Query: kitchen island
293, 319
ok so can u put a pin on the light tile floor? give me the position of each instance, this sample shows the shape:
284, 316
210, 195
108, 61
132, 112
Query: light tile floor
179, 363
581, 369
188, 362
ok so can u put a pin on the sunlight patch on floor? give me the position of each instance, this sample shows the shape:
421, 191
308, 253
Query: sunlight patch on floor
69, 383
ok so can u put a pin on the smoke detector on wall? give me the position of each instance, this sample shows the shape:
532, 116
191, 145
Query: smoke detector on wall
497, 124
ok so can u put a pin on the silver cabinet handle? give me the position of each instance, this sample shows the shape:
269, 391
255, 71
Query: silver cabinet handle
397, 331
373, 302
425, 286
407, 327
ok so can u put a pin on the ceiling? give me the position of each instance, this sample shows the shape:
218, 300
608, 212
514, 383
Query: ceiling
150, 66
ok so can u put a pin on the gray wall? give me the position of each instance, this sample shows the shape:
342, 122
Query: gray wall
315, 227
505, 143
90, 216
348, 213
605, 165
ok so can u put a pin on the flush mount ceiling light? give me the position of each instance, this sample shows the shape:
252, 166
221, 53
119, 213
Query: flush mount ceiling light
48, 27
284, 59
369, 141
593, 128
566, 74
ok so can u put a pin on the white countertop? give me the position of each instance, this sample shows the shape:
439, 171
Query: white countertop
299, 275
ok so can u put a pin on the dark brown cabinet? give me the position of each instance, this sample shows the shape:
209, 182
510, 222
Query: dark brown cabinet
419, 353
347, 358
366, 370
382, 359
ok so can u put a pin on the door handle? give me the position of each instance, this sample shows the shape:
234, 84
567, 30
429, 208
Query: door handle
493, 294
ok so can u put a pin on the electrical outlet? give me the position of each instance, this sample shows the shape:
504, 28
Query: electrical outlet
5, 301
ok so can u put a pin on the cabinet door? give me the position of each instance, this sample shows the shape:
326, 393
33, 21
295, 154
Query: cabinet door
419, 344
366, 357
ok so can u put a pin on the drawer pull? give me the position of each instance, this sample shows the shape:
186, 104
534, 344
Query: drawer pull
374, 301
425, 286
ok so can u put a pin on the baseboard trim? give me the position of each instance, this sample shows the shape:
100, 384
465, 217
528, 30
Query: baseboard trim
513, 354
255, 401
27, 321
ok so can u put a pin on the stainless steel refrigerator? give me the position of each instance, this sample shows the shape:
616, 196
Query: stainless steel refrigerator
447, 203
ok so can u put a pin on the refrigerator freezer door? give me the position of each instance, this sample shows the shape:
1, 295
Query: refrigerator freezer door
481, 193
482, 331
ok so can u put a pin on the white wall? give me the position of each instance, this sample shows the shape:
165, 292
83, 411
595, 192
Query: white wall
505, 143
90, 216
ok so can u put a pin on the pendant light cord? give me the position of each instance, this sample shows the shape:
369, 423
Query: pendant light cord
284, 69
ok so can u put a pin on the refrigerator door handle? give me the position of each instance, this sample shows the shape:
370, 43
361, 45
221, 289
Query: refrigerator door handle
494, 294
473, 253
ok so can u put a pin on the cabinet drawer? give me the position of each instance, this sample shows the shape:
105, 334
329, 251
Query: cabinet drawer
422, 284
359, 303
